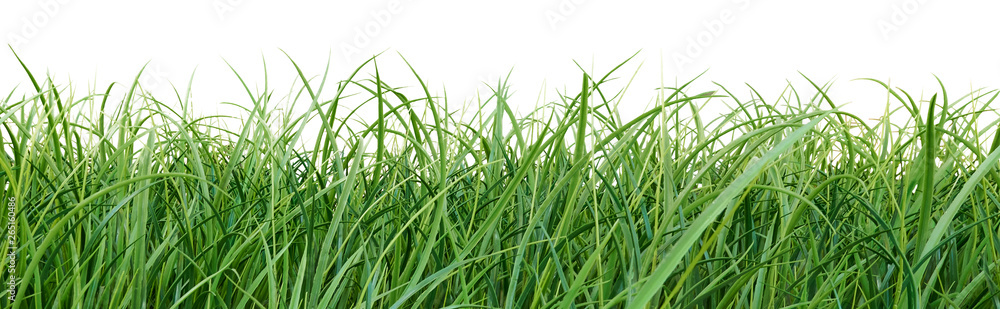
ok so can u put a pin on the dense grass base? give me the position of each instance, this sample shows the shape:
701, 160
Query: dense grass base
788, 203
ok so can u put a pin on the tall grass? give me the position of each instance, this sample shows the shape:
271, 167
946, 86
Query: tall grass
788, 202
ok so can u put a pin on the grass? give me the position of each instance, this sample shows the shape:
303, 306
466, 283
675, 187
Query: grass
790, 202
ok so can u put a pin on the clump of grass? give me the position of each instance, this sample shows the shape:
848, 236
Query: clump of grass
783, 203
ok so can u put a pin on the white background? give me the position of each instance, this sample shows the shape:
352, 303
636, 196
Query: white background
461, 44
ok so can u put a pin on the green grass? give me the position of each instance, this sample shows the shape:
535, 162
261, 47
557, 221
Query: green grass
404, 202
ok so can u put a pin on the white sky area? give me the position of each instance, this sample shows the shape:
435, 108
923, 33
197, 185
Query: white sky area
458, 45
